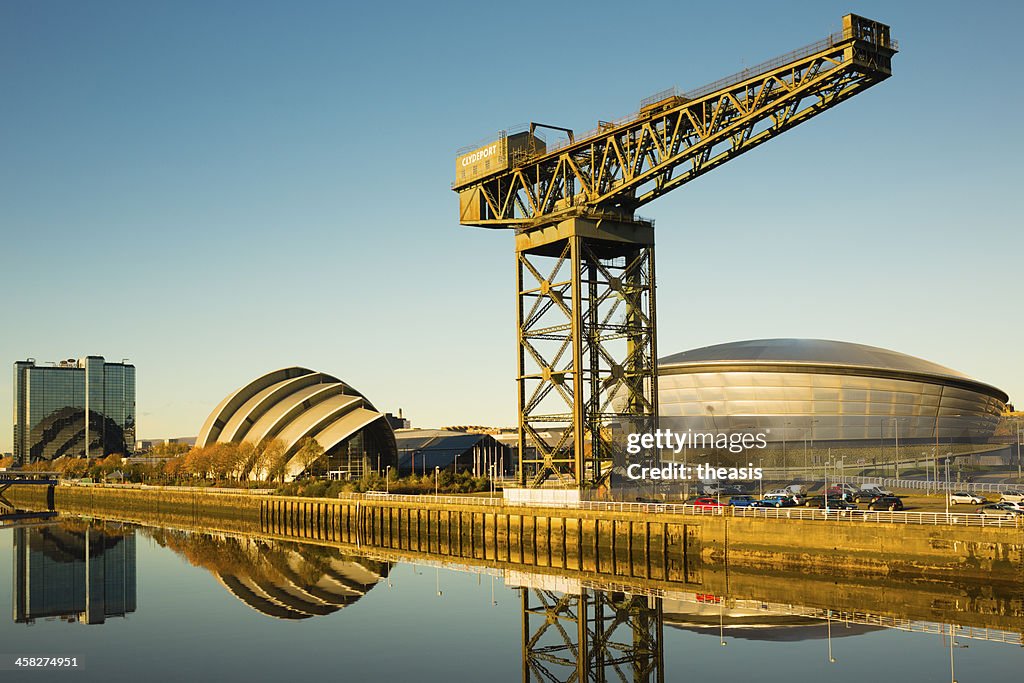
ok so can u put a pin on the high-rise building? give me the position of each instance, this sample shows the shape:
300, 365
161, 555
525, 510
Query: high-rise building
78, 408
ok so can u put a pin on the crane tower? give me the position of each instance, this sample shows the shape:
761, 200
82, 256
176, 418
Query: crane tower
587, 370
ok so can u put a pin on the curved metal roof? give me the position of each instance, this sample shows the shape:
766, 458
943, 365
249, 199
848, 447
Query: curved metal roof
290, 404
816, 353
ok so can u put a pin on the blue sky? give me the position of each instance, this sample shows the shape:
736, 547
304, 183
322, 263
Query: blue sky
218, 189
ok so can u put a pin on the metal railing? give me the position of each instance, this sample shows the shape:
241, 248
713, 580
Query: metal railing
414, 498
929, 484
968, 519
186, 489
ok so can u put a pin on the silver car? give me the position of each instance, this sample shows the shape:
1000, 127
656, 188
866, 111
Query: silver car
964, 497
1012, 497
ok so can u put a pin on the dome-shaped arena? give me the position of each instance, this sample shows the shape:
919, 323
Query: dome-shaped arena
823, 391
295, 404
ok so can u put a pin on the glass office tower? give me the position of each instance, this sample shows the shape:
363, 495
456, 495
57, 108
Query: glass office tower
78, 408
74, 573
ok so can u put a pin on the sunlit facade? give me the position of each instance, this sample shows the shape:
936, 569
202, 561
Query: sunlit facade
819, 390
76, 408
294, 404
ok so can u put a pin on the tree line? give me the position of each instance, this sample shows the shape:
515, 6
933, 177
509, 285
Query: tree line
267, 461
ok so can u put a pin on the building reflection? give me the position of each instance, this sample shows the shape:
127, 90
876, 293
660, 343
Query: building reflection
74, 572
711, 614
572, 633
278, 579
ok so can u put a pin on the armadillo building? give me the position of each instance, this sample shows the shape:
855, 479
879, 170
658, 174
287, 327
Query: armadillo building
295, 404
798, 389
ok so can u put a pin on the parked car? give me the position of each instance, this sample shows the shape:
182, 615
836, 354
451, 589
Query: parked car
998, 510
964, 497
874, 489
706, 503
840, 489
890, 503
1012, 497
837, 503
812, 501
778, 492
868, 495
779, 501
1011, 505
742, 501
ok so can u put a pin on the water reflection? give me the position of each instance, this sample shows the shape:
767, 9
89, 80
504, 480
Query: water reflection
73, 571
277, 578
591, 635
554, 624
714, 614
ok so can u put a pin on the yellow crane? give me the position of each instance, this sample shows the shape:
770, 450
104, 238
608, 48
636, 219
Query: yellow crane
585, 261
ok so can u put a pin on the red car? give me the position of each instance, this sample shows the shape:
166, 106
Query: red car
705, 503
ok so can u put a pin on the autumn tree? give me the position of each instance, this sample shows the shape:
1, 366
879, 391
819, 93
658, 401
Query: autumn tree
309, 452
246, 459
198, 462
270, 459
174, 467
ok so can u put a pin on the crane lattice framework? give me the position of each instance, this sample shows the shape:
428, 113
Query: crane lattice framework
585, 260
592, 636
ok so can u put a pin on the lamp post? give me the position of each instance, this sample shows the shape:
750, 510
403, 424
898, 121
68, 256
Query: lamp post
437, 473
785, 468
721, 621
947, 483
831, 659
896, 462
827, 463
1020, 437
387, 480
952, 644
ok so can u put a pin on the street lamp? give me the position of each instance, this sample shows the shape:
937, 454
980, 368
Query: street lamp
952, 644
437, 472
387, 480
831, 659
1020, 438
721, 621
896, 462
947, 482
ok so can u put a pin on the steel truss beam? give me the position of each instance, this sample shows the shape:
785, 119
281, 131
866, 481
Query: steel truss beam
593, 636
587, 351
624, 165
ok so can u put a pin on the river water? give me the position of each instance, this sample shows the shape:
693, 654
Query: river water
132, 603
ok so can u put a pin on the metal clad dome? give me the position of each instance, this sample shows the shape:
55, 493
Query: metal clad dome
823, 390
816, 351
